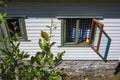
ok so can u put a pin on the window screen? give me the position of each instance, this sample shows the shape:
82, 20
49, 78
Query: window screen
70, 30
84, 30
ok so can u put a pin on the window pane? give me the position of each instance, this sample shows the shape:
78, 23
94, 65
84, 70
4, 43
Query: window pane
96, 33
11, 26
96, 36
84, 30
70, 30
104, 45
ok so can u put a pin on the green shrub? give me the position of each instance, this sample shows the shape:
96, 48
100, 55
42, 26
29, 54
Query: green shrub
42, 66
44, 60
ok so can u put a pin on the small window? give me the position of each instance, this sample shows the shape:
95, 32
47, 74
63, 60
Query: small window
76, 31
81, 32
20, 25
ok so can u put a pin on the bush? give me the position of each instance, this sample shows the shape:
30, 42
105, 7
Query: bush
42, 66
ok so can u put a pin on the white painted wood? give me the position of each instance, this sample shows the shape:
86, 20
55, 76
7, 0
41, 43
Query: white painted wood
35, 25
113, 20
40, 14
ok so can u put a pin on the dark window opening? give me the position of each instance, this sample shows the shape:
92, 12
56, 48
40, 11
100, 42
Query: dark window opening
16, 25
70, 30
12, 23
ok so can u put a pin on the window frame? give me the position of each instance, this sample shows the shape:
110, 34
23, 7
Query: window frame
100, 26
63, 34
22, 26
75, 44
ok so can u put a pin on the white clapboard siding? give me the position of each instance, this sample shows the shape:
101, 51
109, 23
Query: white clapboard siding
35, 25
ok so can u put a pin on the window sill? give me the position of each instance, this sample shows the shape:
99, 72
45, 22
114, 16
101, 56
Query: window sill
74, 46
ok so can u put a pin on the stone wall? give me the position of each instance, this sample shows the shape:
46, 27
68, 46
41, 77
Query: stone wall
90, 68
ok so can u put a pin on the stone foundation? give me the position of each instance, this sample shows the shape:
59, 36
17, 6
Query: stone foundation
90, 68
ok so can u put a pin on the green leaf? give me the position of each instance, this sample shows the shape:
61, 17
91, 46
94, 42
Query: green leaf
86, 78
44, 35
61, 72
2, 4
15, 28
40, 44
5, 39
53, 43
50, 62
50, 59
39, 58
60, 54
5, 14
41, 53
58, 58
21, 55
51, 55
47, 48
26, 55
15, 37
32, 60
42, 62
35, 70
11, 31
48, 26
1, 16
53, 76
18, 45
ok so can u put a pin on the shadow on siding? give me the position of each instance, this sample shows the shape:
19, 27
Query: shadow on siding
106, 41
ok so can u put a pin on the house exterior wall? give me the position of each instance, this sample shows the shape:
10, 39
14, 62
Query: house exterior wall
79, 62
35, 25
40, 13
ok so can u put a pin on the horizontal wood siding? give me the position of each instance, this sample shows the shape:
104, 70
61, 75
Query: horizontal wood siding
39, 14
35, 25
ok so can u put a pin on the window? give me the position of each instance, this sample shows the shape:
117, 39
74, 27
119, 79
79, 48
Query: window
81, 32
20, 24
95, 34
